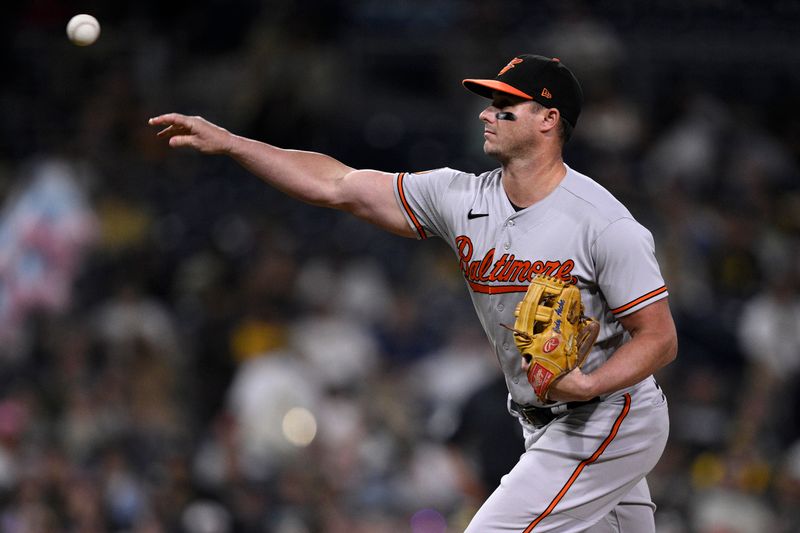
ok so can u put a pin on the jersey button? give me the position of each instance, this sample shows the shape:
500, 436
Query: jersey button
515, 380
506, 246
500, 307
510, 222
505, 346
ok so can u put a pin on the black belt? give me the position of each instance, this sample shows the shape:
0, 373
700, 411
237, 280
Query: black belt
541, 416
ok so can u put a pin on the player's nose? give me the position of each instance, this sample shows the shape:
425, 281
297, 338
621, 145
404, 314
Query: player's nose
488, 114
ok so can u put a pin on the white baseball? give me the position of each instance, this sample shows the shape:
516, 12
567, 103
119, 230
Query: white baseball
83, 29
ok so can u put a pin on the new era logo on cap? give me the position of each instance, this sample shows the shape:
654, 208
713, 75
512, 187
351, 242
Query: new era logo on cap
533, 77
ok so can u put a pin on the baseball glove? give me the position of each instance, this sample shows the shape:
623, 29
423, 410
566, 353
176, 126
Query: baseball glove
551, 332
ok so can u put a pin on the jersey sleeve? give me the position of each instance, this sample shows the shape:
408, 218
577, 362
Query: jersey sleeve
627, 270
421, 198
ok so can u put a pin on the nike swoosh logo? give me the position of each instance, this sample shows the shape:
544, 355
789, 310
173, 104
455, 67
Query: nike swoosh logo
472, 215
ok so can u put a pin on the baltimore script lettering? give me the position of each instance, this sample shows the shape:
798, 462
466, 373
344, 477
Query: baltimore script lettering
507, 268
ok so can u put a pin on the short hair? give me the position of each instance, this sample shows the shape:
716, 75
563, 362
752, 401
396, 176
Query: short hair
565, 130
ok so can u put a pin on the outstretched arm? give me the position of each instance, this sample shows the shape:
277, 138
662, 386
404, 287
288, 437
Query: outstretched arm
311, 177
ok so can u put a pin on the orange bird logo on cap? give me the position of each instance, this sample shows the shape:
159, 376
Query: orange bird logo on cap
511, 64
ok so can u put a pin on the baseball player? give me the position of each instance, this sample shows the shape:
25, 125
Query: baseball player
600, 428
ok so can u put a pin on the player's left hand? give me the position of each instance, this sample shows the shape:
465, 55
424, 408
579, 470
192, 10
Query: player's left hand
575, 386
553, 335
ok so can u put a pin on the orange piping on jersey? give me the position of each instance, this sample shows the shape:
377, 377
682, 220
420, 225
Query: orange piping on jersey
496, 289
583, 464
640, 299
407, 207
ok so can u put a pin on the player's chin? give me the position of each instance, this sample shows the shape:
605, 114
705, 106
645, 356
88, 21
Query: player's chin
490, 149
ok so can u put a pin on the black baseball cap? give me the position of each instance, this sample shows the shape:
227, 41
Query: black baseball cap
533, 77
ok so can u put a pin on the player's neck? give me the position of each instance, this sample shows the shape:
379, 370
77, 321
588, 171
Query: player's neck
528, 181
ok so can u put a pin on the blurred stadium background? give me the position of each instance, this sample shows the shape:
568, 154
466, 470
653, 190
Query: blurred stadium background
183, 349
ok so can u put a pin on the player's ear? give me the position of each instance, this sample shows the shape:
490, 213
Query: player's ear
550, 119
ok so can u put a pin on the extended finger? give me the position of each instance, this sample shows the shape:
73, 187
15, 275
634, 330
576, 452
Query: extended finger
171, 131
181, 141
169, 119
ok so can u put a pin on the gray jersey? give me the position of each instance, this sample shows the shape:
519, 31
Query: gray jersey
579, 233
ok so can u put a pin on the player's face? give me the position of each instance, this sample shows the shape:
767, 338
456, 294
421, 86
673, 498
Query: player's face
512, 134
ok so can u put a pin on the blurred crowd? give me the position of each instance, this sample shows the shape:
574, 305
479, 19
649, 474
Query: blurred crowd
183, 349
